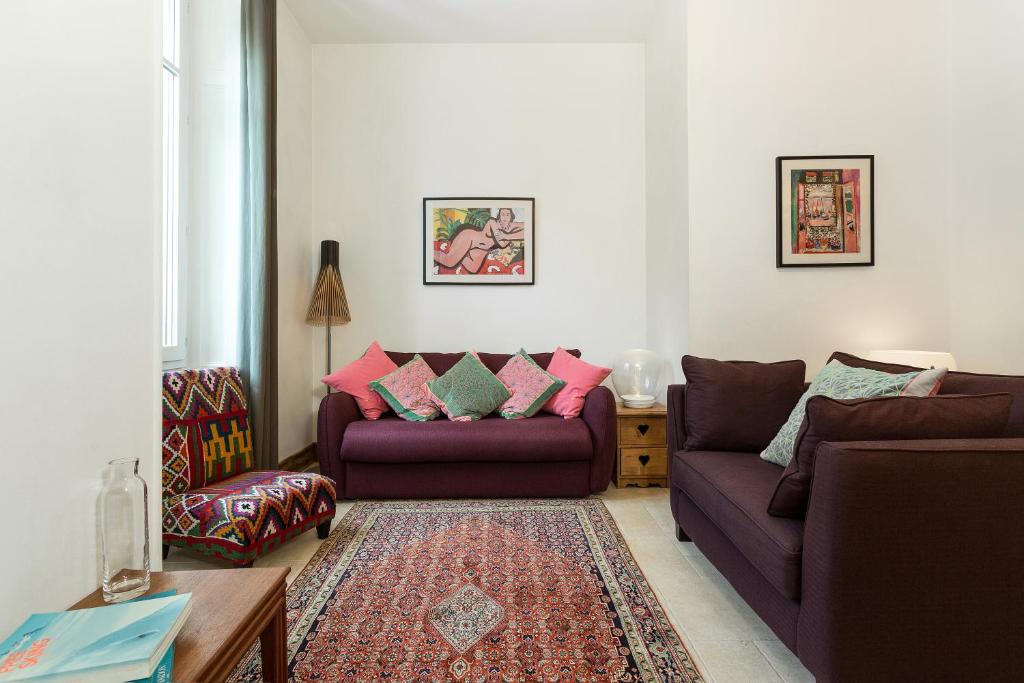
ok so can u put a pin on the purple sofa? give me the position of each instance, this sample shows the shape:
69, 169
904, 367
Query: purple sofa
909, 565
542, 456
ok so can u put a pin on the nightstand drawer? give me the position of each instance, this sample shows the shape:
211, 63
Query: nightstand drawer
642, 431
643, 462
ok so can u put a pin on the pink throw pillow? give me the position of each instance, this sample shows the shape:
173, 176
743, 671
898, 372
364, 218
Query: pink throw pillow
530, 385
579, 378
355, 379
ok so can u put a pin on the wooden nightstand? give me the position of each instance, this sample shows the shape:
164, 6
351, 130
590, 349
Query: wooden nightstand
642, 457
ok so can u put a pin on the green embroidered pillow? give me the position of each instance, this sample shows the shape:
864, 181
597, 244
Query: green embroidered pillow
405, 390
841, 382
468, 391
530, 385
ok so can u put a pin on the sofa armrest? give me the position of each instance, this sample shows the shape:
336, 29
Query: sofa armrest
599, 415
337, 411
913, 561
675, 401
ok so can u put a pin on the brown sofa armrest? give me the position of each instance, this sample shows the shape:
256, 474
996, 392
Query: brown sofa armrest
337, 411
913, 561
675, 401
599, 415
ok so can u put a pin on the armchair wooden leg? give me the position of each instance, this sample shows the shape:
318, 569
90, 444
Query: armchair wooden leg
247, 565
680, 534
166, 551
323, 530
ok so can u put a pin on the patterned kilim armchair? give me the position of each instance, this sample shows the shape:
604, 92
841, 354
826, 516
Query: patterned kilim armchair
213, 501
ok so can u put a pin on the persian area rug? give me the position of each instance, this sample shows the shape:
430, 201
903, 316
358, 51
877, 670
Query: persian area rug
461, 591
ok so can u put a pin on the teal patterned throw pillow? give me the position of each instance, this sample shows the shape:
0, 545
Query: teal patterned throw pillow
468, 391
840, 382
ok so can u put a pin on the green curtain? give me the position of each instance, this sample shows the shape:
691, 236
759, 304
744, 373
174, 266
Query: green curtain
258, 309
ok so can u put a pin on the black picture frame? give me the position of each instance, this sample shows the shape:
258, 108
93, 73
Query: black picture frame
530, 245
782, 185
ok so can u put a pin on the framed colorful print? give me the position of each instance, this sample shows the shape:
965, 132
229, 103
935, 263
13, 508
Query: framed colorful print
478, 240
825, 211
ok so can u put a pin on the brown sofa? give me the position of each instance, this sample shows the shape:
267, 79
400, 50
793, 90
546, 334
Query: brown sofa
909, 565
541, 456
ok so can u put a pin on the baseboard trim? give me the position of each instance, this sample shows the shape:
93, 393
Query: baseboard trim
304, 460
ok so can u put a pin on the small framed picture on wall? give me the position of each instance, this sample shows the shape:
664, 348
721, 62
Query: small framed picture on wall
825, 211
478, 240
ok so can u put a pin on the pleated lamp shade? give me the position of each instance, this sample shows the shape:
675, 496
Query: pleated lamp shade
329, 291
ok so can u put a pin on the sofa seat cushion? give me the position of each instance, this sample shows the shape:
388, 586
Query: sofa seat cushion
242, 517
733, 490
546, 438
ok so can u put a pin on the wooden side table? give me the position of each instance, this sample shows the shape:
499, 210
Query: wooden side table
230, 609
643, 446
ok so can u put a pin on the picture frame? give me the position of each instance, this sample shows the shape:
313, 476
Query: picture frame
479, 240
825, 211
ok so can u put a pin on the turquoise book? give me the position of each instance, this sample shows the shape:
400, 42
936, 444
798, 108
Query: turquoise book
125, 642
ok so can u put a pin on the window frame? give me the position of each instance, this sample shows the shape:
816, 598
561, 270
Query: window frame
175, 355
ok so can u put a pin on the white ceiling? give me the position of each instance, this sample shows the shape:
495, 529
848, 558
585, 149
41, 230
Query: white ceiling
474, 21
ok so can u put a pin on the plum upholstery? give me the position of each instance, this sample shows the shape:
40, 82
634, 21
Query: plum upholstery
913, 554
546, 438
958, 382
732, 489
908, 564
544, 455
214, 503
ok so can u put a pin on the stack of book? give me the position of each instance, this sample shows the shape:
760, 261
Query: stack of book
133, 641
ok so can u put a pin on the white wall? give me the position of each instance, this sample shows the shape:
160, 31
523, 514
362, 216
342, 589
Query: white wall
774, 78
665, 184
987, 284
296, 258
79, 347
562, 123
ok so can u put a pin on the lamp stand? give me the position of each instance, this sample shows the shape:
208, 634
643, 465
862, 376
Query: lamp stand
329, 260
328, 341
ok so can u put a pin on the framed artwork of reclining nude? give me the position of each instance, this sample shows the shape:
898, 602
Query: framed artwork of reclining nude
478, 240
825, 211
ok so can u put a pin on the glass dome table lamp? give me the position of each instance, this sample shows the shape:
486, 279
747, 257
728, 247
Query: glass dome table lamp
637, 376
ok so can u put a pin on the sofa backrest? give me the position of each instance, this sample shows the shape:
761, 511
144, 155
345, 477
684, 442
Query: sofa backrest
441, 363
205, 428
959, 383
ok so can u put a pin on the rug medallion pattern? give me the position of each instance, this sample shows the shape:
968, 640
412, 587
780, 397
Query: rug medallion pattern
460, 591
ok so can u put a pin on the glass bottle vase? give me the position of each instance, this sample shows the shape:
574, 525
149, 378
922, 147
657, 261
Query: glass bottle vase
124, 531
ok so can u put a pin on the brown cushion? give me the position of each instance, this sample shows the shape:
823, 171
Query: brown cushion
731, 488
738, 405
960, 383
889, 417
541, 439
441, 363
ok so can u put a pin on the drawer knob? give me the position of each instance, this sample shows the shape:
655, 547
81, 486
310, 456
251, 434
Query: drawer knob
642, 428
644, 459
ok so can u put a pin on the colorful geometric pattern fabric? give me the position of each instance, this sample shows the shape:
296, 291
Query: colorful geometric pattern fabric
205, 428
243, 517
177, 464
459, 591
212, 502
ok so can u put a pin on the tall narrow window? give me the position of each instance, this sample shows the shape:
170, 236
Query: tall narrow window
172, 318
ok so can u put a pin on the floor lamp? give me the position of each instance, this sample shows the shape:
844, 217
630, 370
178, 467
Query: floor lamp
328, 306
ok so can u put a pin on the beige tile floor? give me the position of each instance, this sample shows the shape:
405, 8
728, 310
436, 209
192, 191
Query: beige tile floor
730, 642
